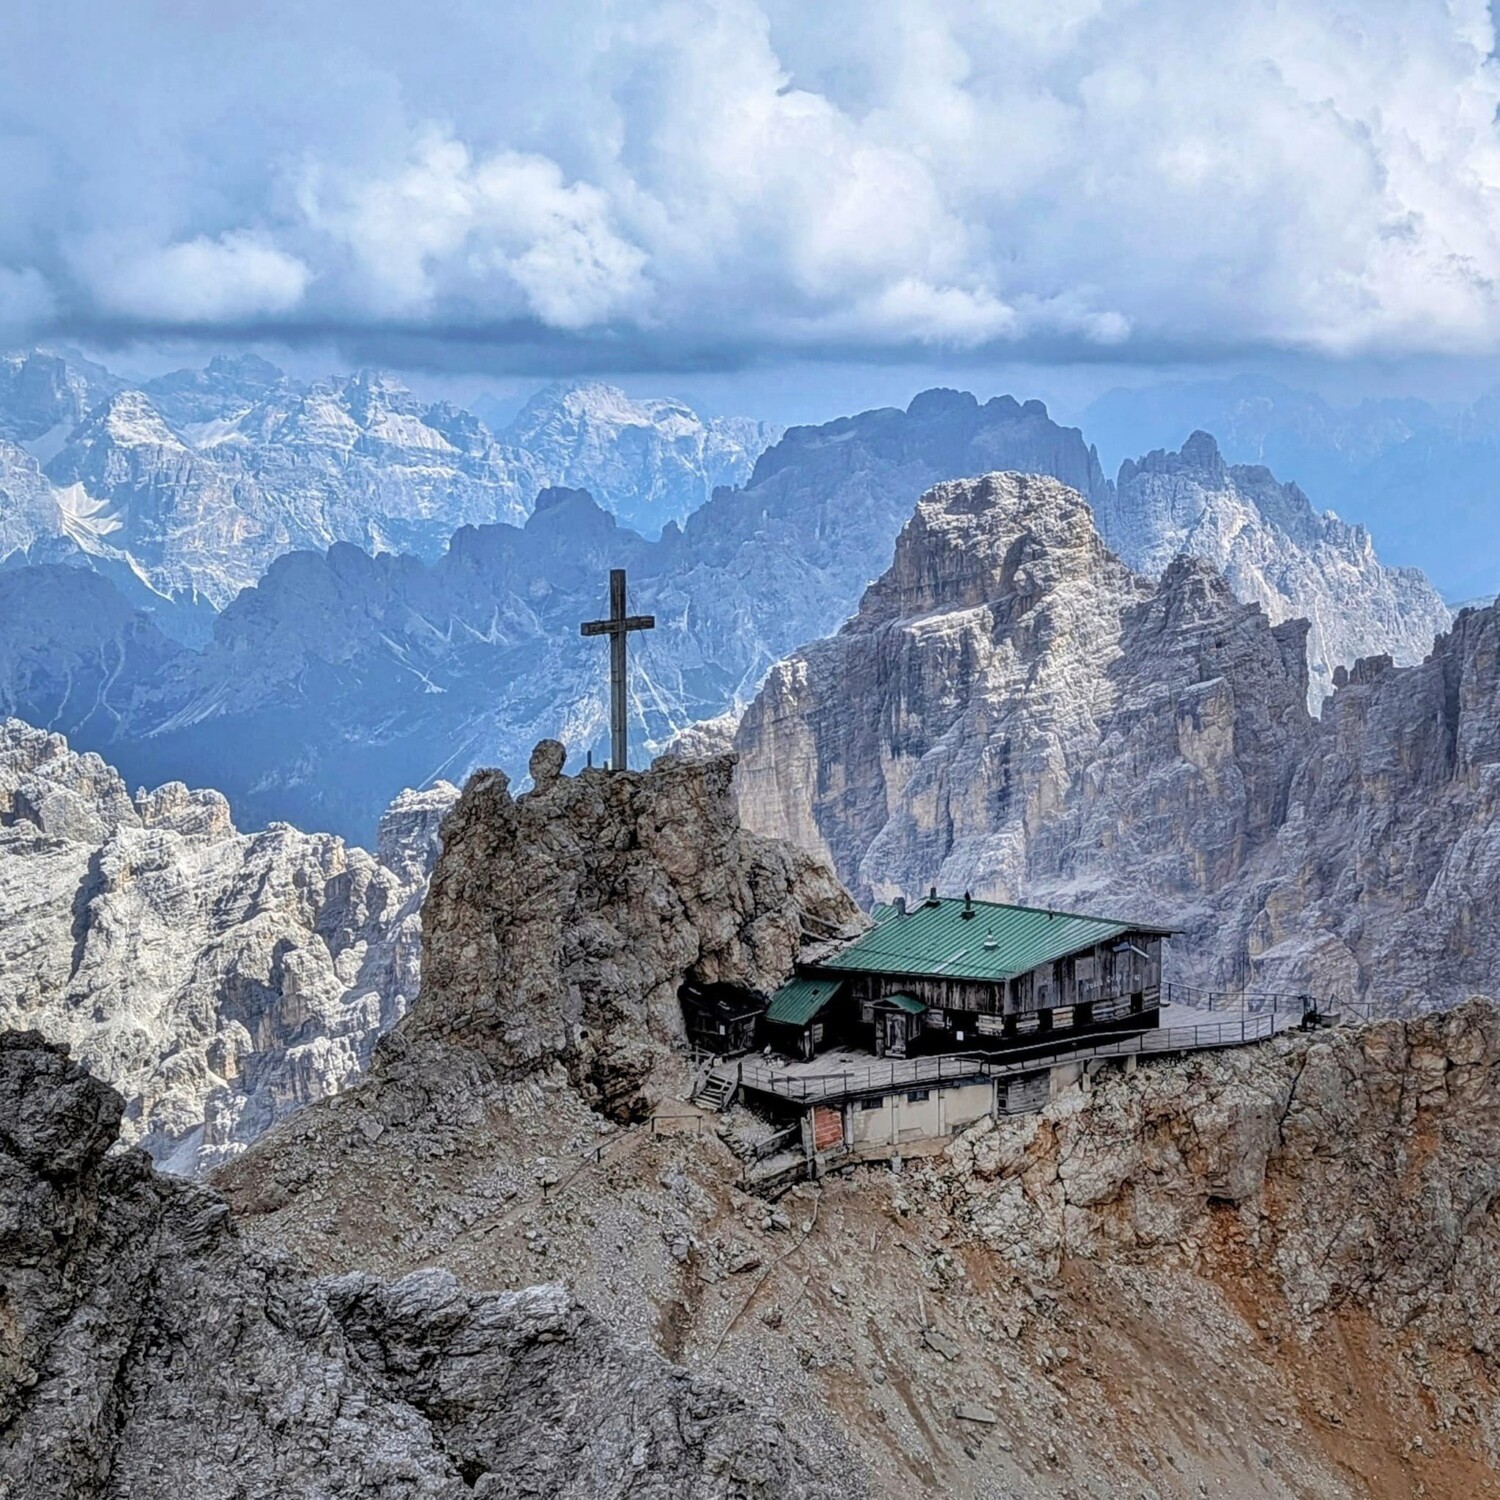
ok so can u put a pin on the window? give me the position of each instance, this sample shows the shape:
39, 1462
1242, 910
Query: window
872, 1103
919, 1096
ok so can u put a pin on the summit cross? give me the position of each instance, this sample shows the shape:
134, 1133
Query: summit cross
616, 627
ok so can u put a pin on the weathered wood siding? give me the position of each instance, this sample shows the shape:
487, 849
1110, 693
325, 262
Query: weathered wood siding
1094, 974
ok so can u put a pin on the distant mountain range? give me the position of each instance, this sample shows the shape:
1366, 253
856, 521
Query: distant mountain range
184, 489
1424, 479
341, 677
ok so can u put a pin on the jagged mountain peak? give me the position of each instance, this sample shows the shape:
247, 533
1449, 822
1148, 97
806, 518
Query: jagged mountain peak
161, 943
649, 460
973, 541
1275, 549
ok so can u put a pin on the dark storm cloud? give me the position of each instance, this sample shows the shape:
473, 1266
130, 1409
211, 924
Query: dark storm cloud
685, 185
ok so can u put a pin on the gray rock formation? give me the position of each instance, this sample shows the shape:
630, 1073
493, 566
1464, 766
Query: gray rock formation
1274, 551
543, 933
145, 1351
1014, 712
220, 980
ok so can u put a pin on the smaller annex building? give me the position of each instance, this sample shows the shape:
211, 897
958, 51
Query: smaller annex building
952, 972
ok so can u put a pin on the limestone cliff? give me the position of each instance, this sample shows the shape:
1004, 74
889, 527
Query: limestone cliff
146, 1351
1275, 551
1013, 711
560, 924
220, 980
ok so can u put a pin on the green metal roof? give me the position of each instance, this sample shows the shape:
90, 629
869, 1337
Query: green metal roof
799, 1000
909, 1003
935, 939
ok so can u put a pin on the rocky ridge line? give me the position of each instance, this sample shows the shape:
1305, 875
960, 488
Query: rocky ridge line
221, 980
146, 1350
1013, 711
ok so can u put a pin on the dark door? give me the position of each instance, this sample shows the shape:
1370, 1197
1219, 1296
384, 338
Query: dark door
895, 1033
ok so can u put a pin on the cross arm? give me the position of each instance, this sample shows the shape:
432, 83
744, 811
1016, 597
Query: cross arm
614, 627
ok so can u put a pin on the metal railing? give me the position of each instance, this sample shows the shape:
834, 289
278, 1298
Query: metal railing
1267, 1002
951, 1067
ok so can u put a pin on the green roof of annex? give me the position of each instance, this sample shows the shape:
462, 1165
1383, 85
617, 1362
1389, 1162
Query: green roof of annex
799, 1000
992, 942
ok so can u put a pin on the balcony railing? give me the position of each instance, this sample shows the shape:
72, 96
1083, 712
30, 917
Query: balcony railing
894, 1074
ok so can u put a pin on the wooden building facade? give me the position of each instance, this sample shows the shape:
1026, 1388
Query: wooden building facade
952, 973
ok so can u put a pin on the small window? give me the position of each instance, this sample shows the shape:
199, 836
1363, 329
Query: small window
919, 1096
872, 1103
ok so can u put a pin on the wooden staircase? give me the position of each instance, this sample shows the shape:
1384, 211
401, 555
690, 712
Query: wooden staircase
715, 1090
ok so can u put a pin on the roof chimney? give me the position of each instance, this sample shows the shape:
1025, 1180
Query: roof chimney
899, 906
968, 910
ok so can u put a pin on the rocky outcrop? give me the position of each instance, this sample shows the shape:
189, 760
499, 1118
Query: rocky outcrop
220, 980
146, 1351
561, 924
1014, 712
1274, 551
1360, 1169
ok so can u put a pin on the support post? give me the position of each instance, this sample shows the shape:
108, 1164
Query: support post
618, 752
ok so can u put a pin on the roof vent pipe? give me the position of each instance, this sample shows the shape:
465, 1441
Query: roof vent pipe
899, 906
968, 906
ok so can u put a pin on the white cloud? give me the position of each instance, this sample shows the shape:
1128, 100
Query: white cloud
1320, 174
497, 236
235, 278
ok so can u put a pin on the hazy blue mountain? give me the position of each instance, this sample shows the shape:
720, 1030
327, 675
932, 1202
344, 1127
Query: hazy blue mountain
189, 485
341, 673
342, 676
1424, 481
646, 461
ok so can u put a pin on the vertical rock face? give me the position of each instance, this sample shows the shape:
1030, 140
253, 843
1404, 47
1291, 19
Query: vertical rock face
560, 924
953, 730
1357, 1169
220, 980
1014, 712
1273, 550
145, 1351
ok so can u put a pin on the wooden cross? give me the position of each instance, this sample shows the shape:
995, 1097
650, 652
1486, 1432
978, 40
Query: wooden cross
616, 627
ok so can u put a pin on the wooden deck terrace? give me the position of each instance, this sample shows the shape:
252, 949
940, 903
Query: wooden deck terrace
816, 1083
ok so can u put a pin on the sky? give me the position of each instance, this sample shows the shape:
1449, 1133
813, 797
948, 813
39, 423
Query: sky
733, 197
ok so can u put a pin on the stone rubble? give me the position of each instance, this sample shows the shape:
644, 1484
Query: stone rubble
147, 1351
